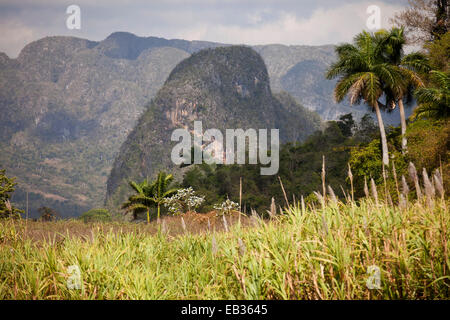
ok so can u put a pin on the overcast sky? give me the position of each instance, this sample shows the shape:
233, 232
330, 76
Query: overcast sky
290, 22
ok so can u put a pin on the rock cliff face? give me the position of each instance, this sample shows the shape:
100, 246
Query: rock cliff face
225, 88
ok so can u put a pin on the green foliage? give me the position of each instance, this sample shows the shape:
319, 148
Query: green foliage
96, 215
47, 214
7, 187
428, 145
300, 168
439, 52
434, 101
149, 195
367, 161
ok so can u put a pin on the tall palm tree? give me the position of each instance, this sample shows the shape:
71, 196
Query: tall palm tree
363, 74
409, 66
149, 195
434, 102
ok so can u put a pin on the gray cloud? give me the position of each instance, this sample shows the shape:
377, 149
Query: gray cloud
232, 21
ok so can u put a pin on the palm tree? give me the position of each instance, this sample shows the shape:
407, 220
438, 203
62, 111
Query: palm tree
140, 202
409, 66
149, 195
434, 102
363, 74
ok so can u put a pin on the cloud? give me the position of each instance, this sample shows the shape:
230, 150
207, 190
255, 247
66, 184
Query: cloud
291, 22
324, 26
12, 42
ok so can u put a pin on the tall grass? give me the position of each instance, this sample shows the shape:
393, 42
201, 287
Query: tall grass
306, 253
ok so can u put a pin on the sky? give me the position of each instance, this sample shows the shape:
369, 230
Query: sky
289, 22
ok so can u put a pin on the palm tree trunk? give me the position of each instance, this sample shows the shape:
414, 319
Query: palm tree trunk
384, 146
158, 212
403, 125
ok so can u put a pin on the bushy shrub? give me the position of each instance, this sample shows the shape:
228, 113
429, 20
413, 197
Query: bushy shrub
226, 207
96, 215
184, 200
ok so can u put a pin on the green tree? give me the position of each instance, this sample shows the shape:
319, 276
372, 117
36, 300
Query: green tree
434, 101
363, 74
346, 124
7, 187
149, 195
47, 214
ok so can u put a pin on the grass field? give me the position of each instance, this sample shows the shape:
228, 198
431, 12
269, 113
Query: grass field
310, 253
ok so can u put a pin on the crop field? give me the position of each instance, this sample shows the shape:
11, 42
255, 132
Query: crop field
363, 250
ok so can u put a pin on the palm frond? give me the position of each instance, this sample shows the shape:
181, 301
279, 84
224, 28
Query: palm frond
442, 79
136, 186
343, 86
428, 95
417, 62
372, 89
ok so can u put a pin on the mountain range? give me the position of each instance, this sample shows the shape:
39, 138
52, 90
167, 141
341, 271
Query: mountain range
68, 104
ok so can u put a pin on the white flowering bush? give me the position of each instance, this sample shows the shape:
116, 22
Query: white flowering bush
226, 207
184, 200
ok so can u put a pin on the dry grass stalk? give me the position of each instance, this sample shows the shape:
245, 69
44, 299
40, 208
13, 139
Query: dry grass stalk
324, 225
324, 191
320, 198
429, 187
402, 202
405, 188
303, 205
430, 192
241, 247
413, 175
240, 194
273, 209
366, 188
394, 172
183, 224
225, 223
350, 176
374, 190
214, 248
389, 199
332, 194
284, 192
254, 217
347, 198
439, 185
